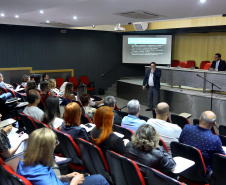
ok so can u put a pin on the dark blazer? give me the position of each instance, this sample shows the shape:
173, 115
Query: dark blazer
156, 78
221, 66
157, 158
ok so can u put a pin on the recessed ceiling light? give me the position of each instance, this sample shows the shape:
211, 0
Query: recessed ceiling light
202, 1
2, 15
41, 11
17, 16
74, 17
47, 21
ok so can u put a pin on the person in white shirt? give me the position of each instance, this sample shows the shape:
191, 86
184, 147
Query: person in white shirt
168, 132
33, 98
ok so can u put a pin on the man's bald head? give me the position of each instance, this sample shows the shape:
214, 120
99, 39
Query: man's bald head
32, 96
208, 118
162, 109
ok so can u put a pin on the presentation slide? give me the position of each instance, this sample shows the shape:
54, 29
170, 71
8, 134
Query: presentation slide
144, 49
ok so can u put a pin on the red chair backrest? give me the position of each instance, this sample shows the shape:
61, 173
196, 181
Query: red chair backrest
203, 63
183, 64
28, 123
59, 82
8, 177
190, 63
124, 171
175, 63
162, 143
40, 124
74, 80
85, 80
93, 158
207, 66
69, 149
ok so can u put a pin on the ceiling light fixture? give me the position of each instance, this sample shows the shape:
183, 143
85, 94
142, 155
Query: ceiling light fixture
2, 15
41, 11
202, 1
17, 16
47, 21
74, 17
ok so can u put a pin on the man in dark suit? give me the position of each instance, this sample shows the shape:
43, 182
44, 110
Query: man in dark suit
218, 64
152, 83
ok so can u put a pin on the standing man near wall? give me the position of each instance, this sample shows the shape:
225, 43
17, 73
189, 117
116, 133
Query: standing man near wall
152, 83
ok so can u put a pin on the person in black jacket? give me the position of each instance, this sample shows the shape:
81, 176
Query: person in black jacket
218, 64
152, 82
144, 148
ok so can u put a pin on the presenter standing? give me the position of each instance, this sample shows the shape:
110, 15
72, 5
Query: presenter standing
152, 83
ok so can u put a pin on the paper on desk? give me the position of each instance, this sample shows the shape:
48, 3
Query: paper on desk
182, 164
119, 134
89, 127
21, 104
185, 115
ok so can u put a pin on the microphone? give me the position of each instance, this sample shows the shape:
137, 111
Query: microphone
198, 75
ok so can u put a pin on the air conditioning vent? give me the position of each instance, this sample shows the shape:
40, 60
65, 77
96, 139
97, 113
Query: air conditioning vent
58, 24
139, 14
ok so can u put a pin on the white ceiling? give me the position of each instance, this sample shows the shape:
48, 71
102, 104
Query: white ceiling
101, 12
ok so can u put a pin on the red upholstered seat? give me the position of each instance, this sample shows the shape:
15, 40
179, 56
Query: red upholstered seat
74, 80
207, 66
9, 177
190, 63
183, 64
59, 82
85, 80
203, 63
175, 63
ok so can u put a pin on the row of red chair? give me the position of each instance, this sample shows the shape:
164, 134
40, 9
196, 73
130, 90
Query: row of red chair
190, 63
74, 80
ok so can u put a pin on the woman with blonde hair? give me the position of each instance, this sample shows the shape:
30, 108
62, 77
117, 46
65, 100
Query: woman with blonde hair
144, 148
52, 86
38, 159
72, 116
68, 92
102, 135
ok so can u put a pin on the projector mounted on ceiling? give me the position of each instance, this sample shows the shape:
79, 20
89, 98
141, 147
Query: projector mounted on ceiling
140, 26
119, 28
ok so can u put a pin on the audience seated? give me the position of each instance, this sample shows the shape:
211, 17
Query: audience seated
5, 148
168, 132
72, 126
111, 102
25, 79
102, 134
33, 98
82, 89
45, 77
51, 114
68, 93
132, 121
3, 84
201, 137
52, 86
37, 162
89, 111
144, 148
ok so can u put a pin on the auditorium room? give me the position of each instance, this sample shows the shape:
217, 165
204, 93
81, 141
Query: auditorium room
97, 92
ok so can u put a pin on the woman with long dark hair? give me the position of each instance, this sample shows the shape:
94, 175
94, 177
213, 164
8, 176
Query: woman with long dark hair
51, 114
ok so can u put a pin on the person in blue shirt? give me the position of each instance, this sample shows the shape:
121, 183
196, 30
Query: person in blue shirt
132, 121
201, 137
37, 162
